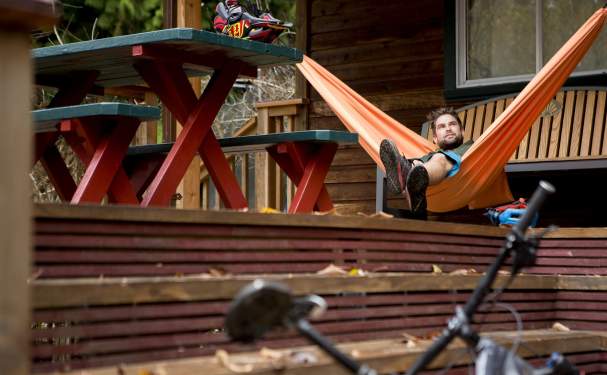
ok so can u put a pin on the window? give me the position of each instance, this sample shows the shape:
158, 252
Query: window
499, 42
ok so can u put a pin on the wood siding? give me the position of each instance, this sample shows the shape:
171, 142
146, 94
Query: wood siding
390, 52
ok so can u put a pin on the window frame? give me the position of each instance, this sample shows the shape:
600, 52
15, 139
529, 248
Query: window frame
456, 85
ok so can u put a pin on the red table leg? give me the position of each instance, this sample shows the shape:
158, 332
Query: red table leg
84, 136
307, 166
171, 84
58, 173
141, 171
71, 93
106, 161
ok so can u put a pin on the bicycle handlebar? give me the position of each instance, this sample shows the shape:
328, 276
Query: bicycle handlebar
537, 199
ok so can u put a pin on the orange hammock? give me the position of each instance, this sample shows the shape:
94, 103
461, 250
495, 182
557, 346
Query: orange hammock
481, 181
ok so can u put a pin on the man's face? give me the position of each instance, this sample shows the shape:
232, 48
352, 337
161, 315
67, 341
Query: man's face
448, 134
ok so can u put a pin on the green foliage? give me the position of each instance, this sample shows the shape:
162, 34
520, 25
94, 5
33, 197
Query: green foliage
119, 17
94, 19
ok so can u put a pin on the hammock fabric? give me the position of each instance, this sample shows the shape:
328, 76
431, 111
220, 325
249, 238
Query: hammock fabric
481, 181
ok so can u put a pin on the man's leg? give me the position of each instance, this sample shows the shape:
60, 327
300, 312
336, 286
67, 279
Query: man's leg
437, 167
423, 174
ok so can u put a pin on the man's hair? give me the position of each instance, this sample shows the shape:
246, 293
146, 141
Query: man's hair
432, 116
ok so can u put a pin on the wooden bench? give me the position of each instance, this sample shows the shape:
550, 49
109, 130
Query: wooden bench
571, 134
99, 134
87, 323
119, 284
386, 356
305, 156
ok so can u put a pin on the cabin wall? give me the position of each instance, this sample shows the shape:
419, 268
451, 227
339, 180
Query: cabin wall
390, 52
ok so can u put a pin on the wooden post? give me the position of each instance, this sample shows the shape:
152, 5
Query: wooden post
302, 88
189, 15
169, 21
263, 183
148, 130
17, 18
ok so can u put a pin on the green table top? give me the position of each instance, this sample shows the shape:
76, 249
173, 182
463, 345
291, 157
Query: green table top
113, 59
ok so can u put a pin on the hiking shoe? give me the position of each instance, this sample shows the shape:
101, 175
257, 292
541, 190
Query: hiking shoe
396, 166
417, 183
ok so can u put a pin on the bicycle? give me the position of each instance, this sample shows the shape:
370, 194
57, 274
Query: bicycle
262, 306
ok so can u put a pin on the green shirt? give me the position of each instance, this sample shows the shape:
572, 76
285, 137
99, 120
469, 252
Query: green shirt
460, 150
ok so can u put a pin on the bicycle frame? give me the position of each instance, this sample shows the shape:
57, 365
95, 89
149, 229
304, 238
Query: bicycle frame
248, 306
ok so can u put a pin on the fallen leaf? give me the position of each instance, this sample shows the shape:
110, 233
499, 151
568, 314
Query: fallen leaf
332, 269
218, 272
560, 327
269, 210
410, 340
431, 335
277, 358
270, 353
463, 271
303, 357
436, 269
357, 272
35, 275
382, 214
224, 359
332, 211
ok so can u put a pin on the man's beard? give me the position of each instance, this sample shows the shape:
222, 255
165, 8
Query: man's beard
451, 144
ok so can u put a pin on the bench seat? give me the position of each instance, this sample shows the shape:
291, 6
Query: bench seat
46, 120
100, 150
258, 142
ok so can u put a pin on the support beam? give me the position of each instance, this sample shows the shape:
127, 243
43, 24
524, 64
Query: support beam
16, 21
189, 15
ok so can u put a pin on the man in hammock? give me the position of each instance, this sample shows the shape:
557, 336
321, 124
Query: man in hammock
411, 177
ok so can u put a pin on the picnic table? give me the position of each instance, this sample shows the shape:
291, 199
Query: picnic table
163, 60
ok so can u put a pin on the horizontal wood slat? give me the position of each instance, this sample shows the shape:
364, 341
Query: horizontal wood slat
387, 356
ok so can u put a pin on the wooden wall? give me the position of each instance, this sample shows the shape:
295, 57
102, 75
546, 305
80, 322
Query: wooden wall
391, 52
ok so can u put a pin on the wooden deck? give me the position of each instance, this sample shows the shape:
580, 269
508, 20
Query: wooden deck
128, 285
109, 241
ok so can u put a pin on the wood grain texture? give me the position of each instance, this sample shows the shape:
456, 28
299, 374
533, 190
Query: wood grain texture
15, 222
385, 356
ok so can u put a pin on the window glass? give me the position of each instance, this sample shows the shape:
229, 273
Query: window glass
562, 18
500, 38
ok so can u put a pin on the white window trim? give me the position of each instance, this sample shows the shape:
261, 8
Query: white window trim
461, 52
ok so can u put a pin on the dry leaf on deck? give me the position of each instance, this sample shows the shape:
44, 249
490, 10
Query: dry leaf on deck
436, 269
324, 213
357, 272
277, 358
381, 214
269, 210
332, 269
463, 271
560, 327
410, 340
224, 359
270, 353
218, 272
303, 357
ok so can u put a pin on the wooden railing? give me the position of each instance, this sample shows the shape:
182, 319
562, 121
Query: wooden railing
261, 181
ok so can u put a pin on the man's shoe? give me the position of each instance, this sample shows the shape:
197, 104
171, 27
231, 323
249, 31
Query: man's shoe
417, 183
396, 166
